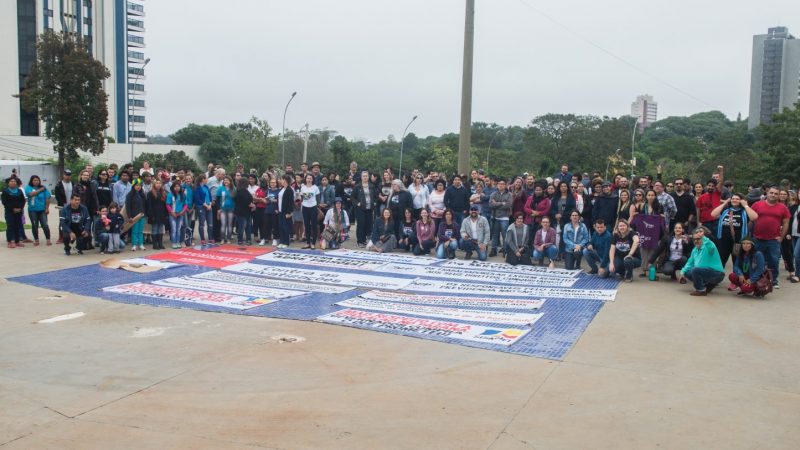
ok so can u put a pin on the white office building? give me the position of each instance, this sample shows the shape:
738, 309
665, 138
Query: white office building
774, 74
645, 109
114, 30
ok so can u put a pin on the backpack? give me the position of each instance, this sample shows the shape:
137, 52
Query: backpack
764, 284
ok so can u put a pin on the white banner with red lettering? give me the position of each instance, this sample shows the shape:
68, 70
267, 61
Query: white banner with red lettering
189, 295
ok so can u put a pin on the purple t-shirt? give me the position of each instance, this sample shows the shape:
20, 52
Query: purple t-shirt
650, 228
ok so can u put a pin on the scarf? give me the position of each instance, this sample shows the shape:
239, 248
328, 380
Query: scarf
727, 211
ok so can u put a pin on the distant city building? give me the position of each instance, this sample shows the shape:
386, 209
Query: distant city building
114, 31
774, 75
645, 109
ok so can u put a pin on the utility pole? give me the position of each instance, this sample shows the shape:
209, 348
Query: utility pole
465, 138
305, 144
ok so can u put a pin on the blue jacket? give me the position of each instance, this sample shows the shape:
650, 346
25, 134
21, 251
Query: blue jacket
201, 196
574, 237
752, 269
188, 191
226, 204
379, 229
601, 243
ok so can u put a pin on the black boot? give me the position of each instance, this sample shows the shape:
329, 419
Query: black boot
158, 244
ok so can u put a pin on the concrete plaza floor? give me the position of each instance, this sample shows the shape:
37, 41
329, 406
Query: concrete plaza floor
655, 369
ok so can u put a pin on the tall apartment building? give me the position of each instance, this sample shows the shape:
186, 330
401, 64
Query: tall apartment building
645, 109
774, 74
114, 31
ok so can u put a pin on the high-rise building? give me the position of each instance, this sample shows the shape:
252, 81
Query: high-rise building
114, 32
645, 109
774, 75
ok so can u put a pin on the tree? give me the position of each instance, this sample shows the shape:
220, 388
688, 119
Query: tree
342, 153
65, 86
254, 143
781, 140
175, 159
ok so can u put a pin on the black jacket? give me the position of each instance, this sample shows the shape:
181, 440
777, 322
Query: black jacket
663, 248
359, 199
61, 194
135, 203
286, 202
605, 207
398, 203
88, 195
156, 209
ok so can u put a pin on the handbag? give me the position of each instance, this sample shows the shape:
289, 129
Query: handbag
328, 233
737, 247
764, 284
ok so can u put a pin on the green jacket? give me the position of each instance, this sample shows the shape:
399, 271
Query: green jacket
706, 257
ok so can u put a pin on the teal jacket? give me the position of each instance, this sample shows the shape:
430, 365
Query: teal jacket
706, 256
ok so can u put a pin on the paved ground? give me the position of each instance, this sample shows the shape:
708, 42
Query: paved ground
655, 369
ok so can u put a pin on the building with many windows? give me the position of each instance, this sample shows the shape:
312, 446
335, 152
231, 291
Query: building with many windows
114, 31
774, 74
645, 109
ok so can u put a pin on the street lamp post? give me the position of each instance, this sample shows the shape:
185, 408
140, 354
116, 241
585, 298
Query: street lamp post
633, 141
133, 106
490, 149
402, 141
283, 132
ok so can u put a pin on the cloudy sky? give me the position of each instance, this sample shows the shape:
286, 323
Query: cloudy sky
365, 67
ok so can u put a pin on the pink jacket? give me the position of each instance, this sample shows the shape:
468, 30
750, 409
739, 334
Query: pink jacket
550, 238
543, 208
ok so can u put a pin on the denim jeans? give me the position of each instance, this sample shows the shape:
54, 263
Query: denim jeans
499, 231
771, 249
175, 229
469, 246
572, 260
442, 252
285, 227
244, 226
205, 218
593, 258
624, 266
226, 224
550, 252
796, 246
703, 278
39, 218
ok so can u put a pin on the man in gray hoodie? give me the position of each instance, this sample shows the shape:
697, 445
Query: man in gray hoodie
500, 203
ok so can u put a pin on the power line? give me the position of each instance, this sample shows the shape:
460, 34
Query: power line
617, 57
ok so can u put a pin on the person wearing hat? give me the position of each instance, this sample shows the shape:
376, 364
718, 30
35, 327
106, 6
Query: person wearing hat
704, 268
63, 194
747, 268
475, 234
315, 171
337, 226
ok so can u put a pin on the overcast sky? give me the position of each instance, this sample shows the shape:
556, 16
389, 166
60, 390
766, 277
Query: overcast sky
365, 67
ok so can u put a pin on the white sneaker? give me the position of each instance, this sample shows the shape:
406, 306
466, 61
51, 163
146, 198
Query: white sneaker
282, 246
133, 248
274, 242
262, 243
141, 247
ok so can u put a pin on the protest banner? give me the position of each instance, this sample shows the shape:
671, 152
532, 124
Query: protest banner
189, 295
486, 276
452, 300
485, 265
382, 257
321, 276
455, 287
240, 250
202, 258
439, 312
236, 278
320, 260
424, 327
257, 291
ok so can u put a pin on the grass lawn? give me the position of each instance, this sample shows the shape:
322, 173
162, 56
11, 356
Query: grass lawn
3, 227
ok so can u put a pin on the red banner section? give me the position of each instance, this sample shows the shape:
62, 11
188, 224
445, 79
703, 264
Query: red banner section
203, 258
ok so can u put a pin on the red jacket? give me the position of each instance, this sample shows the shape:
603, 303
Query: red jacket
706, 203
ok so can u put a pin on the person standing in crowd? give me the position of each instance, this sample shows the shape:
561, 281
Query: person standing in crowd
706, 203
794, 235
666, 201
516, 240
732, 217
565, 176
650, 225
327, 195
576, 237
176, 210
748, 266
213, 183
770, 229
456, 198
225, 200
597, 250
337, 226
425, 231
607, 205
103, 188
242, 209
259, 216
157, 213
475, 234
121, 190
146, 169
285, 209
536, 207
187, 233
419, 195
673, 250
703, 268
75, 225
500, 203
624, 254
385, 189
13, 199
38, 208
560, 205
85, 188
448, 235
271, 224
684, 204
406, 231
365, 198
203, 209
383, 234
518, 197
436, 202
309, 193
789, 199
399, 200
545, 244
63, 190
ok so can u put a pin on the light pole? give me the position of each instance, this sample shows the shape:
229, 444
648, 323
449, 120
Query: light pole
133, 106
305, 144
490, 149
283, 132
633, 141
402, 141
464, 138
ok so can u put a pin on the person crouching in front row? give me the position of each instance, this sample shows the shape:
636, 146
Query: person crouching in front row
748, 267
704, 267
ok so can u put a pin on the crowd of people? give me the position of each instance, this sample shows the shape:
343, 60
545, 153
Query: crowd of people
627, 228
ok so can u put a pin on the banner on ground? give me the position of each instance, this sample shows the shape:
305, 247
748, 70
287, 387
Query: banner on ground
255, 291
485, 265
485, 276
203, 258
321, 260
382, 257
240, 250
321, 276
439, 312
189, 295
149, 262
236, 278
451, 300
425, 327
455, 287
